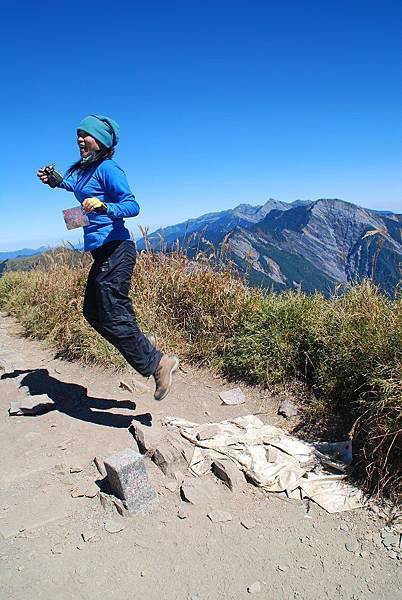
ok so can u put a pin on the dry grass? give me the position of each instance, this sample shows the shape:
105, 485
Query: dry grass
346, 350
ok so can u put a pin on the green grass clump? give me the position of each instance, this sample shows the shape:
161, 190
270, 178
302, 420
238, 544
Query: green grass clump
347, 350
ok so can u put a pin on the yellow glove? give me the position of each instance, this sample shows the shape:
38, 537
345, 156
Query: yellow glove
94, 204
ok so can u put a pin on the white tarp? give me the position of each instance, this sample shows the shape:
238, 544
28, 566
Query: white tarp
274, 460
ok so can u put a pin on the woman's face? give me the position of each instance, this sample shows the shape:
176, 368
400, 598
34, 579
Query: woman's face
87, 144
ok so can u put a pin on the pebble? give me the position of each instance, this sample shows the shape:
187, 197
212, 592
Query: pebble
352, 546
77, 493
57, 549
282, 568
254, 588
219, 516
113, 526
75, 469
126, 386
182, 514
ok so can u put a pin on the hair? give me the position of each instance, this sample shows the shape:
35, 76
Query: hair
103, 154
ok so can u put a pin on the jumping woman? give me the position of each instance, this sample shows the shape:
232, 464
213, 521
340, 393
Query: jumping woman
101, 187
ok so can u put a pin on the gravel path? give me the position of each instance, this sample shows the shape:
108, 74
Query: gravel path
53, 545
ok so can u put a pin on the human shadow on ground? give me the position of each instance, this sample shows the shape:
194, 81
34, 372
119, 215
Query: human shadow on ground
73, 400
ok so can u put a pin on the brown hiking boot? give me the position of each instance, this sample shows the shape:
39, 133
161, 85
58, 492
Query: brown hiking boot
168, 364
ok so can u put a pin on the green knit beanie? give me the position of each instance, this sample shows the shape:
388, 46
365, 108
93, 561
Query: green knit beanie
102, 128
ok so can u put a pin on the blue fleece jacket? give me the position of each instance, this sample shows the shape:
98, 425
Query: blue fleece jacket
108, 182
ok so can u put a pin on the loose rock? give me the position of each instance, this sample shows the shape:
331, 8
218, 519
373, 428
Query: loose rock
113, 526
219, 516
147, 438
92, 490
77, 492
229, 473
232, 397
352, 546
126, 386
15, 408
34, 405
287, 409
169, 458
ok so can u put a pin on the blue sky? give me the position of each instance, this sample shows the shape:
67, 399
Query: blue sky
219, 102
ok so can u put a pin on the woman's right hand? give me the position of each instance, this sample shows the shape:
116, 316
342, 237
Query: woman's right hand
42, 175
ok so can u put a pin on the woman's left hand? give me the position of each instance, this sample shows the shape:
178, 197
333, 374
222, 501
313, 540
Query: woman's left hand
94, 204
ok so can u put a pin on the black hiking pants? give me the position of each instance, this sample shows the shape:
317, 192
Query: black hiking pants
108, 308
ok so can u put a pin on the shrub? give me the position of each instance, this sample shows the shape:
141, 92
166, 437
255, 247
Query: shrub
347, 349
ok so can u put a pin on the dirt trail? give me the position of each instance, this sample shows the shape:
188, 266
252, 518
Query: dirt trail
291, 552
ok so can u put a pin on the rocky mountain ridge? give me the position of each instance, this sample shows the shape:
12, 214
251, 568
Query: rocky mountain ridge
311, 245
